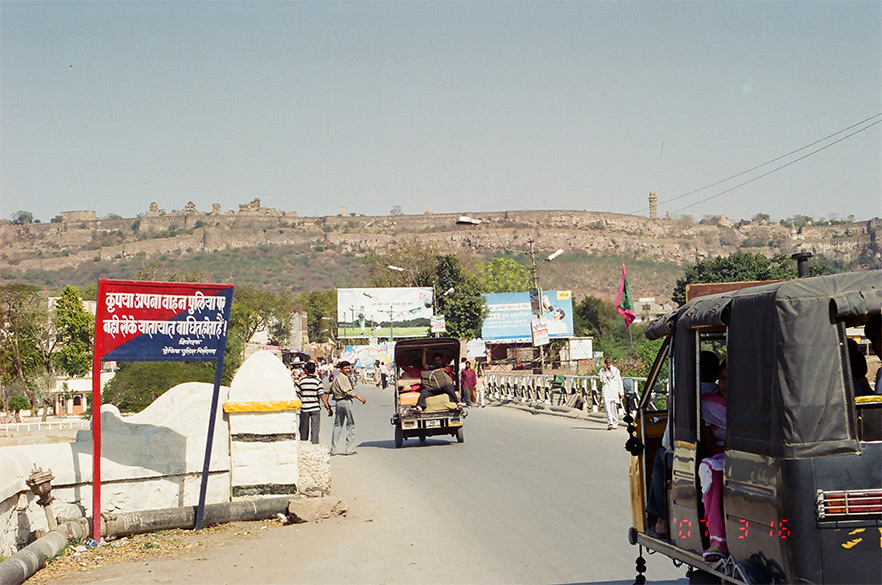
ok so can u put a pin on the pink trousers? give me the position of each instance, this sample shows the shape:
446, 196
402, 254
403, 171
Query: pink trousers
710, 474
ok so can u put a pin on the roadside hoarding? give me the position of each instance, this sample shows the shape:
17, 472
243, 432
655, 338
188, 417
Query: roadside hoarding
383, 312
510, 315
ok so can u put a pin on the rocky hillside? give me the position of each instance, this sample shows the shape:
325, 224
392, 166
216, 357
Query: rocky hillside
283, 251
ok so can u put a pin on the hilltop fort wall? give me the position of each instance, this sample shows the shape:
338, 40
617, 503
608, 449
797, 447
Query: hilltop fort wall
81, 236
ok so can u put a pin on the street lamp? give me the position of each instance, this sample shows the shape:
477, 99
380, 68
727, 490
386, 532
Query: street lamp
413, 274
466, 220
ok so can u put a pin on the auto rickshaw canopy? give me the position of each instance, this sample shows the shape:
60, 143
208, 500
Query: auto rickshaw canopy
789, 390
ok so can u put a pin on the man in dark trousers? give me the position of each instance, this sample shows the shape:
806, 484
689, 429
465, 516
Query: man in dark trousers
468, 381
312, 398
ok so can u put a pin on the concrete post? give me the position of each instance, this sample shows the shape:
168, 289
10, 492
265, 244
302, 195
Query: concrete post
264, 439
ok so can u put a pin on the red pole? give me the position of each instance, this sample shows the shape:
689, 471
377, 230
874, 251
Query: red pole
96, 424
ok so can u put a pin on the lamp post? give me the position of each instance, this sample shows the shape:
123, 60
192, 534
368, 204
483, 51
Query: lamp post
413, 274
446, 293
534, 276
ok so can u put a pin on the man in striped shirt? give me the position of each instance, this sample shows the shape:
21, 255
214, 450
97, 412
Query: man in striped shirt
312, 395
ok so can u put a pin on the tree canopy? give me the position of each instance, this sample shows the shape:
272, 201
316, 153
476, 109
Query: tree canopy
738, 267
502, 274
743, 267
75, 329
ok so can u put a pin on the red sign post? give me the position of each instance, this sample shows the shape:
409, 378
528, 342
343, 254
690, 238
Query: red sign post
153, 322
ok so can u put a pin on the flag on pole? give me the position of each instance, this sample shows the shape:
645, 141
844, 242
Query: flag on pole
624, 304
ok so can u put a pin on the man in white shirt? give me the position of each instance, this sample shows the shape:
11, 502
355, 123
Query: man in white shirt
613, 390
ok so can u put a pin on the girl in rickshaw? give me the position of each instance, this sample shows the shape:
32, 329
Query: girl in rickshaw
710, 470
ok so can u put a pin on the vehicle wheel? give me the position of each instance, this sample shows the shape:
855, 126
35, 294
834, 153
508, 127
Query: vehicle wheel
459, 436
399, 437
422, 438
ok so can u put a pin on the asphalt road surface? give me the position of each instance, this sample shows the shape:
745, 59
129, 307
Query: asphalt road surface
525, 499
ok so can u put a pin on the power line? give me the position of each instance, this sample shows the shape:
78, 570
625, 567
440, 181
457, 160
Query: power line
778, 168
768, 162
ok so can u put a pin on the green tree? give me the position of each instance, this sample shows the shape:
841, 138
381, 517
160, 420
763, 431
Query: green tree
17, 402
415, 258
22, 217
23, 314
137, 384
738, 267
75, 329
503, 274
464, 310
595, 317
321, 309
261, 309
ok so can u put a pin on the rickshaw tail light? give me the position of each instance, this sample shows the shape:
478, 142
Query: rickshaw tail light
838, 504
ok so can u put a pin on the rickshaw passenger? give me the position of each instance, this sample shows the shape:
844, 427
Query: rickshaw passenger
710, 470
858, 370
873, 332
656, 500
437, 362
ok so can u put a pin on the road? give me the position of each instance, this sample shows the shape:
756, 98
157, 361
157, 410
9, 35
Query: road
525, 499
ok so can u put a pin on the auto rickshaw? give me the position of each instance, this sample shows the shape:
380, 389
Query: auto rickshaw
802, 473
440, 417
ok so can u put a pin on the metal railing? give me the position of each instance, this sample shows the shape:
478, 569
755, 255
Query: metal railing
9, 429
552, 390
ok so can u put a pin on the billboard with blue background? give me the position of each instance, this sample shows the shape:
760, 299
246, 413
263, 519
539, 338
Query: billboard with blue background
510, 316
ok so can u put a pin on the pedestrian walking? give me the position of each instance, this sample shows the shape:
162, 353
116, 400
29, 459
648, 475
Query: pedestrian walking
613, 392
467, 383
480, 386
312, 398
343, 393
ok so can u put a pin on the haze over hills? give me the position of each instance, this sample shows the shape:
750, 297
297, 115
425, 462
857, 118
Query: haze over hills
282, 251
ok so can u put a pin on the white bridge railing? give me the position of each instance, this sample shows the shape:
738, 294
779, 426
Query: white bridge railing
9, 429
573, 391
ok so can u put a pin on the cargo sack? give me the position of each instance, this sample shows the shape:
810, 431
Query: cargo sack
435, 379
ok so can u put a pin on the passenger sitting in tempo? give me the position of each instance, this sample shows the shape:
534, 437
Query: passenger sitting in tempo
710, 470
656, 501
427, 388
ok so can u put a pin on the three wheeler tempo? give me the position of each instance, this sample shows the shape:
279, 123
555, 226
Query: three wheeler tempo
440, 417
802, 468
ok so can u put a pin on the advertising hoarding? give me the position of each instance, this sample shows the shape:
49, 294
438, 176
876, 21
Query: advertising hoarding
383, 312
510, 315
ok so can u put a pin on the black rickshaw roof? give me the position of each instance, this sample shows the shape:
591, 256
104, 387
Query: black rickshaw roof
789, 393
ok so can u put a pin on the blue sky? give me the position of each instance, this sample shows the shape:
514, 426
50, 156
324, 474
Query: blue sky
453, 106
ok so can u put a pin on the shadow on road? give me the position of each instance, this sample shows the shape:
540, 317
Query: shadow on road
409, 443
626, 582
590, 428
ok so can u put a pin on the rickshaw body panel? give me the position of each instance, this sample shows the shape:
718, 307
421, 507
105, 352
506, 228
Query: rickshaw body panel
795, 435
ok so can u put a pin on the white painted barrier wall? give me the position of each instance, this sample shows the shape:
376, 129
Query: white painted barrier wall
149, 460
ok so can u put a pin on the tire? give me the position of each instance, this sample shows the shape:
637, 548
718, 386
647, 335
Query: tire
459, 436
422, 438
399, 437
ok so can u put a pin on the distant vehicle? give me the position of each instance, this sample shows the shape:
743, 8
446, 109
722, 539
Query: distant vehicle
437, 419
802, 491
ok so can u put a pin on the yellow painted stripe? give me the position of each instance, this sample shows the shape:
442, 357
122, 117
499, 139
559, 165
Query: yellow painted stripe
868, 399
262, 406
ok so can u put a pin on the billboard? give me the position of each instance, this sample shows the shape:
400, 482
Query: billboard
511, 313
383, 312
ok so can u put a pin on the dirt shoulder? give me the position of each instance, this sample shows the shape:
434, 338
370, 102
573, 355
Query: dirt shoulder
76, 562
